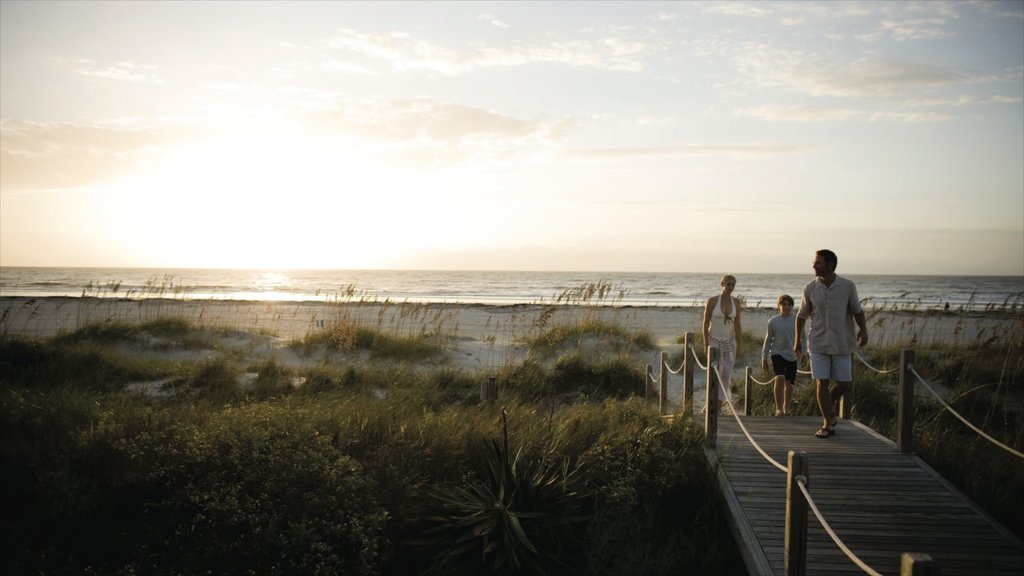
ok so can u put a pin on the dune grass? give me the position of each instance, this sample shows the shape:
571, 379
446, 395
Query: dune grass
346, 472
338, 466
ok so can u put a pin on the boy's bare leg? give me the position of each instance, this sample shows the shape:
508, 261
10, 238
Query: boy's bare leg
781, 395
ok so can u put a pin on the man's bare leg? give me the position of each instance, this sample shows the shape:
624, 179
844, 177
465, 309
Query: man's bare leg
824, 396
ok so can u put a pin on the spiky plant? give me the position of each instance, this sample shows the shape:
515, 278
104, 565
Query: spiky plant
513, 521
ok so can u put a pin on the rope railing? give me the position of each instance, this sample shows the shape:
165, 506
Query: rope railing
696, 359
802, 483
736, 416
877, 370
1017, 453
677, 370
797, 478
765, 383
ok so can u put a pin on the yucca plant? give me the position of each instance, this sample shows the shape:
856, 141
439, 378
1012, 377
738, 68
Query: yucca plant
513, 521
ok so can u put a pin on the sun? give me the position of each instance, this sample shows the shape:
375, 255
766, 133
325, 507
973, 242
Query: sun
287, 200
251, 201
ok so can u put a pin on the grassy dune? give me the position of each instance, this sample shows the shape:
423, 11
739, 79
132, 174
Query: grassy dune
166, 446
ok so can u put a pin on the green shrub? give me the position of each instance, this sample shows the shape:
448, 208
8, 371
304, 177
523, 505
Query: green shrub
616, 377
216, 381
86, 365
517, 519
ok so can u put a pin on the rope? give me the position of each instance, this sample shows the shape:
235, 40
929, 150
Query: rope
696, 359
1016, 453
677, 370
801, 482
736, 416
765, 383
865, 362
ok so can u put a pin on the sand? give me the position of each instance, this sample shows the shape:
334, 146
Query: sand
482, 335
481, 339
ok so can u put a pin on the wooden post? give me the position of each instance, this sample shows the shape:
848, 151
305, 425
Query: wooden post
748, 378
689, 361
647, 384
846, 403
795, 544
489, 390
711, 411
662, 382
917, 564
905, 405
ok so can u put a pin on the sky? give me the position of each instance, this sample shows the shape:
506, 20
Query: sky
579, 136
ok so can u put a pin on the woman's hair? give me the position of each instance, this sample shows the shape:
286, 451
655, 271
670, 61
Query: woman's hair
785, 298
726, 278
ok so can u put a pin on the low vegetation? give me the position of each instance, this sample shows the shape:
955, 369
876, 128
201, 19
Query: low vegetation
237, 463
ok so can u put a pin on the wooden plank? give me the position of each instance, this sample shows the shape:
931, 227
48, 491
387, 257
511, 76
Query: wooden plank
880, 503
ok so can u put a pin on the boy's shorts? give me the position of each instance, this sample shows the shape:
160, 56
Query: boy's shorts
783, 367
838, 367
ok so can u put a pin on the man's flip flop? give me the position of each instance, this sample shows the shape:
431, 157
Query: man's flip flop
832, 421
824, 432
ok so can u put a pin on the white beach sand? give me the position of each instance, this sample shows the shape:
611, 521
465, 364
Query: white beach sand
481, 338
483, 335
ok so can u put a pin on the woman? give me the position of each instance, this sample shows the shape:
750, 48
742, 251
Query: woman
722, 328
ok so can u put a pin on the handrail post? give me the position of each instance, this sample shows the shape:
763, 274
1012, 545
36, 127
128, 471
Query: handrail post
748, 406
662, 382
917, 564
795, 545
905, 410
711, 409
846, 403
647, 384
689, 361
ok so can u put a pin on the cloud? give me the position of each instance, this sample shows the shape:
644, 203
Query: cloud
493, 21
44, 155
799, 113
861, 78
728, 150
916, 29
738, 9
404, 51
127, 71
426, 131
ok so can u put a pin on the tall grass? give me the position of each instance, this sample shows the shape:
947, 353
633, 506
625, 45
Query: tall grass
336, 475
334, 465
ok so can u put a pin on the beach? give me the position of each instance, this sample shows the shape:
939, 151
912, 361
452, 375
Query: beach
480, 336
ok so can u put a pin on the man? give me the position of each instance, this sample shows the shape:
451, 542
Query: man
830, 302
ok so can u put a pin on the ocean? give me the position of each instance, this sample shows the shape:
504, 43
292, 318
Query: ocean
495, 287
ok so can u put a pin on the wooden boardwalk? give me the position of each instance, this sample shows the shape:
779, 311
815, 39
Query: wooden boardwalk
879, 502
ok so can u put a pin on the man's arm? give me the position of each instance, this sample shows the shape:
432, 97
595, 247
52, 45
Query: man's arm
798, 337
862, 328
738, 324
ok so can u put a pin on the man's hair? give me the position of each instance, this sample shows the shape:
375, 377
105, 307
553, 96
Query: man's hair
830, 257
